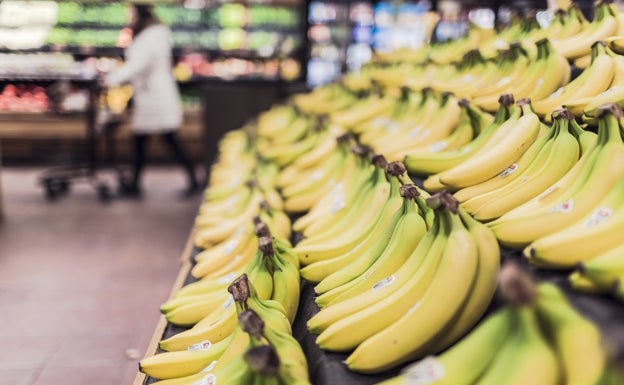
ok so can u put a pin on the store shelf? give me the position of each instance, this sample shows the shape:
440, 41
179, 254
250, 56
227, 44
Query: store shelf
328, 368
185, 267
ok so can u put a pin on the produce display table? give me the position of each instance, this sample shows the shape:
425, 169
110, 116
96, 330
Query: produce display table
328, 369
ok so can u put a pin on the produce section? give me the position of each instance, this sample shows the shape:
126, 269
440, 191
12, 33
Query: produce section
448, 207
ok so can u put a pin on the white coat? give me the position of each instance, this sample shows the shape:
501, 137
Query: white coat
147, 67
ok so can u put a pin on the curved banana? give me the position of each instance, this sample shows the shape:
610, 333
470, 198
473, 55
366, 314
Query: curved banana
426, 164
185, 362
593, 182
413, 276
398, 242
577, 341
498, 154
605, 24
553, 165
400, 342
605, 268
594, 80
601, 227
465, 361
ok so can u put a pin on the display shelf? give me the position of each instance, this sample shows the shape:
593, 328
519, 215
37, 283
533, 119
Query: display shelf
328, 368
161, 326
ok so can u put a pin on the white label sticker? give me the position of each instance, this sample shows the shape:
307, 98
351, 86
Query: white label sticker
437, 146
226, 279
384, 282
598, 216
508, 171
423, 372
503, 81
204, 345
316, 175
564, 207
555, 94
228, 302
230, 246
338, 204
414, 132
209, 368
210, 379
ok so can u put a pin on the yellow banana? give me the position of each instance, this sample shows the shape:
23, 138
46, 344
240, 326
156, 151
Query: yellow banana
424, 164
519, 135
398, 242
601, 226
577, 341
605, 24
594, 80
543, 172
595, 180
185, 362
458, 264
466, 361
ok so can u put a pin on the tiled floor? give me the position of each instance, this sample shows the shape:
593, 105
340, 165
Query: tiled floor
81, 281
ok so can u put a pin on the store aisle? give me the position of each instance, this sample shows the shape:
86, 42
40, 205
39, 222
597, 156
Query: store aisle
81, 281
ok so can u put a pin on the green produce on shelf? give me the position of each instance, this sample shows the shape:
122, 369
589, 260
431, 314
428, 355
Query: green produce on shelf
69, 12
60, 36
232, 38
208, 40
232, 15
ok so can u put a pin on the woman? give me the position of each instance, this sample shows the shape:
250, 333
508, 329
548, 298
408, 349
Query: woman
156, 98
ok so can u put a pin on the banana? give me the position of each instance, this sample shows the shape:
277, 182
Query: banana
458, 264
577, 341
366, 109
484, 288
310, 251
596, 177
581, 283
526, 358
601, 226
466, 361
215, 327
431, 129
383, 238
214, 267
414, 276
605, 268
193, 379
397, 242
515, 62
518, 136
605, 24
594, 80
372, 195
286, 282
183, 363
341, 199
558, 159
437, 162
471, 196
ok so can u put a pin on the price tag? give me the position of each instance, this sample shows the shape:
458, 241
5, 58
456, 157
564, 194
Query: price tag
424, 372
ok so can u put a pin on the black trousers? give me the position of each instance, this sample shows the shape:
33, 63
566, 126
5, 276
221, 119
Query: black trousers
178, 152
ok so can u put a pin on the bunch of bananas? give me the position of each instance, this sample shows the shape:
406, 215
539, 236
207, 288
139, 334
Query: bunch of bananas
544, 162
536, 338
395, 276
259, 350
540, 223
603, 273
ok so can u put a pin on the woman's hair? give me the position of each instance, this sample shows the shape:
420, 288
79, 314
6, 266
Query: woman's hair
144, 18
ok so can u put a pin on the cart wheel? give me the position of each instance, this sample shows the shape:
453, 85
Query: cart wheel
63, 186
50, 193
103, 193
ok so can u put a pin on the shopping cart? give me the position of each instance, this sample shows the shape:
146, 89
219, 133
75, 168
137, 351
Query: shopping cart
104, 114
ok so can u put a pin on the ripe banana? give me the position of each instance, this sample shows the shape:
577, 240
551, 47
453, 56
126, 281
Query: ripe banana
577, 341
498, 153
399, 341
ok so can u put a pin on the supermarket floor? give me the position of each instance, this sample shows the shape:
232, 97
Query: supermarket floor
81, 281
